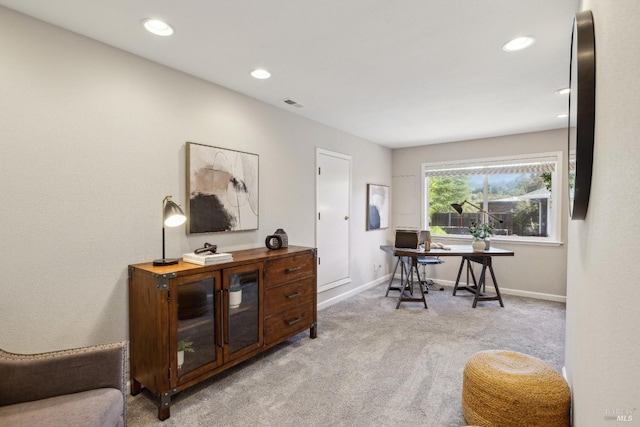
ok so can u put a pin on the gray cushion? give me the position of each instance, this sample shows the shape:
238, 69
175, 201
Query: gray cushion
99, 407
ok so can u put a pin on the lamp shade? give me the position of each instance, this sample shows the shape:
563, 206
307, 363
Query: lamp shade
457, 207
173, 215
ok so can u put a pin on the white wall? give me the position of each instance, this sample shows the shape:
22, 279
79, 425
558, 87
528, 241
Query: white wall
535, 270
92, 139
603, 310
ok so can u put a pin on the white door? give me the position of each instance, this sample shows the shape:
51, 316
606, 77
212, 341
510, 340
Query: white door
333, 183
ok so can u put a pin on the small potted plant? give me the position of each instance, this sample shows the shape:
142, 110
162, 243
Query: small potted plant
481, 233
184, 346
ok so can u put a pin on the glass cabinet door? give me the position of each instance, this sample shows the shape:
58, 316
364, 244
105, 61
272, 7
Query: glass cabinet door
197, 305
243, 330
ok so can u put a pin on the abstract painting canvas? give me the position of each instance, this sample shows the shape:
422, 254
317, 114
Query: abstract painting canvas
222, 185
378, 206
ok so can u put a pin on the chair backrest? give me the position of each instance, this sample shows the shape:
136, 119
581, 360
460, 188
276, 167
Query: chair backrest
27, 377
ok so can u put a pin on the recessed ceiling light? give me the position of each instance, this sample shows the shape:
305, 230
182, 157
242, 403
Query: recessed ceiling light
562, 116
518, 44
563, 91
260, 74
157, 27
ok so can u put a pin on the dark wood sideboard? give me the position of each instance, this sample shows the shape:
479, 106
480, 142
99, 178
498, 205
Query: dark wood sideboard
188, 305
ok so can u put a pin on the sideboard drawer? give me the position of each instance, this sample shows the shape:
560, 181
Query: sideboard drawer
290, 268
286, 296
289, 322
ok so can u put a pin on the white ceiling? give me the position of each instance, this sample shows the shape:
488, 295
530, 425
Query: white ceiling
399, 73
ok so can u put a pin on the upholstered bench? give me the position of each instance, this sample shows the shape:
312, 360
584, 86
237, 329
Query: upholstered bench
506, 388
80, 387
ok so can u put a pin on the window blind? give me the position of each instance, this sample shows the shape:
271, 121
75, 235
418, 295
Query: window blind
536, 165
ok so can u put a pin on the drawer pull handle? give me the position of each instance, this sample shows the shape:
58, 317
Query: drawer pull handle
294, 321
297, 294
292, 269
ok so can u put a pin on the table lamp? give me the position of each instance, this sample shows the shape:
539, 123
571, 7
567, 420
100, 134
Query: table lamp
172, 216
458, 208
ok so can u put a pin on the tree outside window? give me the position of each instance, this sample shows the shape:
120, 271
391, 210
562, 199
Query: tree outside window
519, 195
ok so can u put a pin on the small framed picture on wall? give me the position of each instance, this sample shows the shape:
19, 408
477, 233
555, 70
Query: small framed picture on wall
377, 206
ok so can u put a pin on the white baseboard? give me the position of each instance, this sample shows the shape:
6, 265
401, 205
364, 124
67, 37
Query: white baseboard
332, 285
448, 283
331, 301
535, 295
507, 291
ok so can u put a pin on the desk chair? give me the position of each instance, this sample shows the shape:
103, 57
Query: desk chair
424, 261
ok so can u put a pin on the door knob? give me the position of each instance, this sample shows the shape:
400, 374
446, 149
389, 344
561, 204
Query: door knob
346, 217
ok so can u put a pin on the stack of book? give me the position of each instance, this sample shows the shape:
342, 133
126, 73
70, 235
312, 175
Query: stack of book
207, 258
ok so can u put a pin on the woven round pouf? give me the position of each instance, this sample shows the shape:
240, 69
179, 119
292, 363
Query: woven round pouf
506, 388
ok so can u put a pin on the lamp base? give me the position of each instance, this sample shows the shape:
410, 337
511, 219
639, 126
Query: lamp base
165, 261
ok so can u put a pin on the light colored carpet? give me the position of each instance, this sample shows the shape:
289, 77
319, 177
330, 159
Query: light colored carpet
371, 365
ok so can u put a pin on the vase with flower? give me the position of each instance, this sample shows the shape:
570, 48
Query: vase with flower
481, 233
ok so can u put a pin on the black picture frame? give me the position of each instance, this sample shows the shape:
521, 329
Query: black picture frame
581, 120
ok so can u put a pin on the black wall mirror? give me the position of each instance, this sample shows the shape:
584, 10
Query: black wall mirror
582, 108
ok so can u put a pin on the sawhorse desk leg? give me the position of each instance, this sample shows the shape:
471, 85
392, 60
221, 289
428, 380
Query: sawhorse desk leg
407, 285
403, 271
479, 286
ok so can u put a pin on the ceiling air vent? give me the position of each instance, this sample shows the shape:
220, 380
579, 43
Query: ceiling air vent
293, 103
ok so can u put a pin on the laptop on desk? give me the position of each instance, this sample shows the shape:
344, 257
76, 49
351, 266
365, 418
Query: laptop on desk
411, 239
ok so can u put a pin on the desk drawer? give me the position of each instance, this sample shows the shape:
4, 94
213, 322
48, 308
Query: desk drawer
287, 269
286, 296
289, 322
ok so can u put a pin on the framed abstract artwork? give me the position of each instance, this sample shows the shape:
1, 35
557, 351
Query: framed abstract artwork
377, 206
222, 186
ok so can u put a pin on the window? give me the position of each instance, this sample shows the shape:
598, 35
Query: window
523, 192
